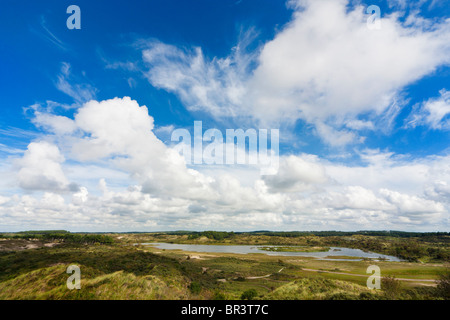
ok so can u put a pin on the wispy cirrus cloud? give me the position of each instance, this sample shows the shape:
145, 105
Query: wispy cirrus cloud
215, 85
79, 92
433, 113
49, 36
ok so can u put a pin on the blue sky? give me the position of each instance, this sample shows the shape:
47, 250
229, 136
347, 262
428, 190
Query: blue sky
364, 115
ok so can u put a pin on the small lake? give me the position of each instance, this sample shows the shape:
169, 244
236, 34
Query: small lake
334, 251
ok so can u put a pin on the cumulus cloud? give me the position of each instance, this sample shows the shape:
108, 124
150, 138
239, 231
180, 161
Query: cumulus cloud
121, 131
40, 168
58, 125
131, 180
439, 190
296, 174
412, 205
325, 67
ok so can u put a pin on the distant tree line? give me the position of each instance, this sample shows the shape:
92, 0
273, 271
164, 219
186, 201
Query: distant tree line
215, 235
397, 234
42, 232
291, 234
61, 235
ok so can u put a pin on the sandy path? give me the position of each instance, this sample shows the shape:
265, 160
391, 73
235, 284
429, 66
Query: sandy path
259, 277
266, 276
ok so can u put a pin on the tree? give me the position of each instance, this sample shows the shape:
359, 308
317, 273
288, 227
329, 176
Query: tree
249, 294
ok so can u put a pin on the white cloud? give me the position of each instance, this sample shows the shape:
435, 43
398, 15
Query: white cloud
333, 136
40, 168
439, 190
216, 85
325, 67
357, 124
412, 205
389, 171
121, 131
296, 174
53, 123
81, 196
433, 113
153, 189
80, 93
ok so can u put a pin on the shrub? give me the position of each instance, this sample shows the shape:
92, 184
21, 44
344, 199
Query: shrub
367, 296
249, 294
195, 287
341, 296
391, 287
443, 285
218, 296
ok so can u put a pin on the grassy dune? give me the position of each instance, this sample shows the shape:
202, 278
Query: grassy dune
50, 283
322, 289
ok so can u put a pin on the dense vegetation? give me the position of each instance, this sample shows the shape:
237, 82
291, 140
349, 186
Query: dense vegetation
290, 234
60, 235
216, 235
397, 234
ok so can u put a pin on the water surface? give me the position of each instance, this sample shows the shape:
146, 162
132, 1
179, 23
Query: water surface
244, 249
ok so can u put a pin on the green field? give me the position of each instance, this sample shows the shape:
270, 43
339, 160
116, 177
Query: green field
33, 266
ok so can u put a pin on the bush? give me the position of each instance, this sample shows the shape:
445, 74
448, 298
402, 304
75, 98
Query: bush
443, 285
195, 287
391, 287
249, 294
367, 296
219, 296
342, 296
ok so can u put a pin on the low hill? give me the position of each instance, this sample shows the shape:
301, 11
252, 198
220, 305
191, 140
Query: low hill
322, 289
50, 283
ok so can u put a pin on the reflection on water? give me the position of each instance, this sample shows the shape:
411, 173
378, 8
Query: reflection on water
334, 251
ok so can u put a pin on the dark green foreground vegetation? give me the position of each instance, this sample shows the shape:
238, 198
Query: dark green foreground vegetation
113, 268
